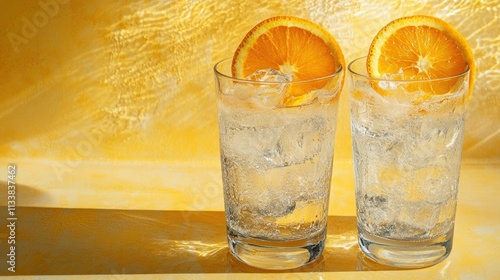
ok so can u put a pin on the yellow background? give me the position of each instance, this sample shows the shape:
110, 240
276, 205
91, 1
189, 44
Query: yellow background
111, 105
100, 97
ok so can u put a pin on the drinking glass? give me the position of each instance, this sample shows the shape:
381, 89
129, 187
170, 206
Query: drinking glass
407, 143
276, 152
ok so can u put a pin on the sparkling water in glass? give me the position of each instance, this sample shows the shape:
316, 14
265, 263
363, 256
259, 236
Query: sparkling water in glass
407, 150
276, 159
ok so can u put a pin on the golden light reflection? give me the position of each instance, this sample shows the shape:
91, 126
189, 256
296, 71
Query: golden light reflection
138, 241
139, 75
106, 83
342, 242
107, 104
193, 247
58, 241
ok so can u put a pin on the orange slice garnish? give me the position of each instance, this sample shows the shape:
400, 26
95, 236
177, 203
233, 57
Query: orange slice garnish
421, 48
290, 45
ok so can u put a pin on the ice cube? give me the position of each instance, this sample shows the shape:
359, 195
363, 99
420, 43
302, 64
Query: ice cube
277, 207
254, 145
416, 219
302, 141
387, 78
268, 97
271, 94
270, 75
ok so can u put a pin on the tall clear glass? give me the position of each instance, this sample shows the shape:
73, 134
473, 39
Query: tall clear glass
407, 147
276, 151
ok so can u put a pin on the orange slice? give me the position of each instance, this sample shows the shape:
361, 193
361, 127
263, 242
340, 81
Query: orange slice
420, 48
290, 45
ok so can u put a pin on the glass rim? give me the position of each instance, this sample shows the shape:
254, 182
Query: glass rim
218, 72
365, 76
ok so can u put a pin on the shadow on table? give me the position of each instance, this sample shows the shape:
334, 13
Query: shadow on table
56, 241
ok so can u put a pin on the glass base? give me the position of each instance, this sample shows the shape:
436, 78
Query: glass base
406, 254
276, 255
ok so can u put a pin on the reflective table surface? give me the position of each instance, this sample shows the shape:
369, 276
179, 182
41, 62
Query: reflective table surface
151, 244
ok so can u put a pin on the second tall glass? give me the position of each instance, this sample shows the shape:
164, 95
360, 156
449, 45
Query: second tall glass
407, 147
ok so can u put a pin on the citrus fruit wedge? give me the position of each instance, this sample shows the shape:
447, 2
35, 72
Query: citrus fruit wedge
421, 48
292, 46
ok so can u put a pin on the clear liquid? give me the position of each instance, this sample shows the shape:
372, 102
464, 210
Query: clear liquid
406, 165
407, 170
276, 166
